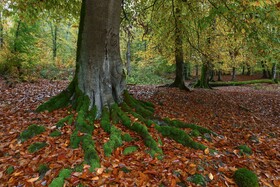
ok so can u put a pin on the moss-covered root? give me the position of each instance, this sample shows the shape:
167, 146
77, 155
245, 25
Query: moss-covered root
245, 178
91, 156
179, 136
180, 124
31, 131
60, 101
59, 181
141, 130
144, 108
114, 142
67, 120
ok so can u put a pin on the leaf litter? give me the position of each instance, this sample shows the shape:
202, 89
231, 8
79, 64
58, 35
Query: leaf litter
241, 115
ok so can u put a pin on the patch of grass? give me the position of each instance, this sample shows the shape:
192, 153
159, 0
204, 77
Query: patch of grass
245, 149
31, 131
179, 136
198, 179
245, 178
233, 83
55, 133
36, 146
10, 170
130, 150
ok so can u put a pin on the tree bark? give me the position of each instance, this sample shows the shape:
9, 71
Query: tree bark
1, 31
99, 69
264, 70
128, 53
274, 72
179, 55
220, 75
233, 75
54, 32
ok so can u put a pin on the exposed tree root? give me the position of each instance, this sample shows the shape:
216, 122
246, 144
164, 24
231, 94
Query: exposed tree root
116, 115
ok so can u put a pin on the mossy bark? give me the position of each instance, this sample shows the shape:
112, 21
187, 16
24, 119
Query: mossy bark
204, 77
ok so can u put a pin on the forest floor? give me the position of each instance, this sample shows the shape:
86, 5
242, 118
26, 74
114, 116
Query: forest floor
239, 115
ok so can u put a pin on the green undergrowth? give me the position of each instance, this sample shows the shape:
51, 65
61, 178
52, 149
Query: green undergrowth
245, 178
31, 131
59, 181
239, 83
36, 146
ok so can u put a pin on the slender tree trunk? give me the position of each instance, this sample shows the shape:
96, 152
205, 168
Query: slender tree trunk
204, 77
179, 55
249, 72
128, 53
220, 75
233, 75
274, 71
15, 49
196, 71
243, 70
54, 31
1, 31
265, 76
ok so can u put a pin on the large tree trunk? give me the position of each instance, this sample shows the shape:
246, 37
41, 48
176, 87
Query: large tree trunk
99, 70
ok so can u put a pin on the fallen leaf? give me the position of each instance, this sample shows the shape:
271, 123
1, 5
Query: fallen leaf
33, 179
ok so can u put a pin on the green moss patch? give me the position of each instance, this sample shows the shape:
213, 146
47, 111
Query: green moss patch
90, 154
197, 179
31, 131
59, 101
42, 170
195, 133
10, 170
180, 124
130, 150
114, 141
244, 149
55, 133
245, 178
127, 138
105, 120
238, 83
36, 146
59, 181
67, 120
179, 136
